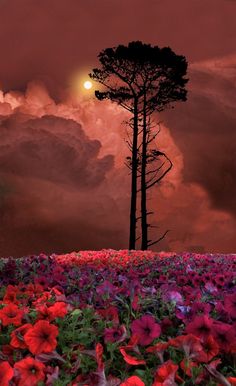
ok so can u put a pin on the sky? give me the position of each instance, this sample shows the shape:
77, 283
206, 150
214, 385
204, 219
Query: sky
63, 183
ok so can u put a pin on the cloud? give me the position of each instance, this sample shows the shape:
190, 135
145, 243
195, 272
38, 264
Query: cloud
54, 192
49, 41
64, 186
204, 129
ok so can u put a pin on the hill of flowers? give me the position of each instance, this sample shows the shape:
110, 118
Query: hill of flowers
118, 318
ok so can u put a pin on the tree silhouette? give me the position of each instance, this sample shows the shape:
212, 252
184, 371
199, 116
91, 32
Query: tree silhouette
142, 79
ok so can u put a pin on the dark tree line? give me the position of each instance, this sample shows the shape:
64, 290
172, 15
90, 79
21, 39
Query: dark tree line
143, 80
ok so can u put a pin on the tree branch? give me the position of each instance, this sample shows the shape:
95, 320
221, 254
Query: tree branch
160, 178
162, 237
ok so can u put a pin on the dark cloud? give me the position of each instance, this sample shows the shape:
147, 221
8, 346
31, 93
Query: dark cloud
204, 130
54, 149
51, 39
54, 192
63, 185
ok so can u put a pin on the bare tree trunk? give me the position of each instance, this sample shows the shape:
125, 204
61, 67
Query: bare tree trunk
144, 225
133, 206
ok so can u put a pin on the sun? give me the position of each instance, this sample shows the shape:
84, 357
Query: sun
88, 85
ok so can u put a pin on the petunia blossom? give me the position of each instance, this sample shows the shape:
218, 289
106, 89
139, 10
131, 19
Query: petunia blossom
41, 337
11, 314
200, 326
165, 374
133, 381
6, 373
146, 329
115, 334
30, 372
17, 336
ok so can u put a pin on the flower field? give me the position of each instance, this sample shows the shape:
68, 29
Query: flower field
110, 318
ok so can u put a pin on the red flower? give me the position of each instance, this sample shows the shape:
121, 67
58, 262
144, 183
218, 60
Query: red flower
165, 374
166, 324
232, 381
201, 326
30, 372
131, 360
6, 373
10, 295
158, 349
115, 334
99, 352
224, 335
133, 381
58, 310
187, 366
190, 344
17, 336
230, 305
132, 346
11, 314
110, 313
210, 350
41, 337
146, 329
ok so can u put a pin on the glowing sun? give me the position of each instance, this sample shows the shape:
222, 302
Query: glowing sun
87, 85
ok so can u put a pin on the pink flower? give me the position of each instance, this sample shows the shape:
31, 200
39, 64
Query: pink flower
201, 326
175, 296
146, 329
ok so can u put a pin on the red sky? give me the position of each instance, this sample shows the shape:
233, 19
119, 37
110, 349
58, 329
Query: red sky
63, 185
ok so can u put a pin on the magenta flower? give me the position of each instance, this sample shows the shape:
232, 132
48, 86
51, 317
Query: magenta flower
115, 334
224, 335
146, 329
201, 326
106, 288
230, 305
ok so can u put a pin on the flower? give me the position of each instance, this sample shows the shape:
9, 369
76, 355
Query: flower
30, 372
190, 344
133, 381
99, 352
224, 335
210, 350
201, 326
110, 313
106, 288
11, 314
41, 337
200, 308
230, 305
17, 336
10, 295
187, 365
165, 374
6, 373
146, 329
166, 324
115, 334
232, 381
158, 349
132, 346
175, 297
58, 310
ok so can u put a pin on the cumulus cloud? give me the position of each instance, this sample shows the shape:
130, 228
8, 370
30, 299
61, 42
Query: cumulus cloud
54, 192
204, 129
64, 185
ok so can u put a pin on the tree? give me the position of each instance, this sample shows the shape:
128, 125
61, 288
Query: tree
142, 79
